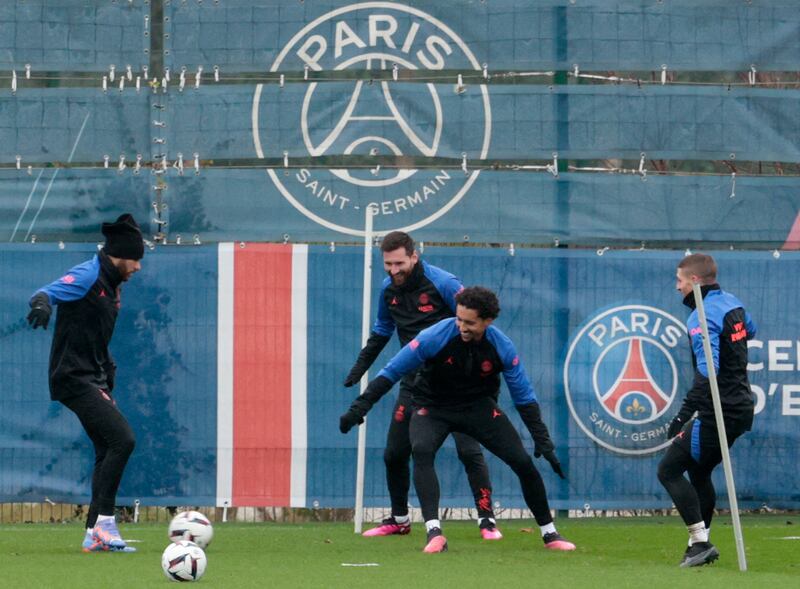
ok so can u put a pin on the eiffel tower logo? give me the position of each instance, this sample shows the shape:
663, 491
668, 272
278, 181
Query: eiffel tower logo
636, 382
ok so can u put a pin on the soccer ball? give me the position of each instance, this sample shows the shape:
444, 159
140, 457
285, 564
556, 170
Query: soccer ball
183, 561
192, 526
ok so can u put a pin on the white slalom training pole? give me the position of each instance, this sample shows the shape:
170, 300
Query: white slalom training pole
723, 438
365, 328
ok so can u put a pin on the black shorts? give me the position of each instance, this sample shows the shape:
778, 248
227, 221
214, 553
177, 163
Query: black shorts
700, 439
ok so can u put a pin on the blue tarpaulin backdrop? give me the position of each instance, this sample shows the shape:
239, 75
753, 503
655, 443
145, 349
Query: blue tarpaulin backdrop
166, 339
306, 88
725, 112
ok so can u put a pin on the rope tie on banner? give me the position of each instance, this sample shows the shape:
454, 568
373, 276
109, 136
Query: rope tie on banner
179, 164
138, 84
395, 71
112, 72
27, 71
198, 76
642, 170
663, 74
374, 171
464, 163
121, 166
460, 87
751, 75
182, 79
13, 81
138, 165
19, 162
216, 73
553, 168
196, 164
285, 159
129, 72
145, 70
733, 185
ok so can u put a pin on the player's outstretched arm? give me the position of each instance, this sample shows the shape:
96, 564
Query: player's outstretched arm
532, 418
72, 286
360, 406
375, 344
39, 315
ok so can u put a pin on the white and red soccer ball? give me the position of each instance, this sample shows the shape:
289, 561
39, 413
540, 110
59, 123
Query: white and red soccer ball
183, 561
192, 526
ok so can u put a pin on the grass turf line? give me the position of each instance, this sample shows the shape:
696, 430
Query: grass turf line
618, 553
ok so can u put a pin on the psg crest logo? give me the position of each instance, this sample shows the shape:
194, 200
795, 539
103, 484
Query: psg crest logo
357, 116
621, 377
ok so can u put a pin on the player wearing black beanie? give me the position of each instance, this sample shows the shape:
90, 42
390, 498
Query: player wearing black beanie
82, 371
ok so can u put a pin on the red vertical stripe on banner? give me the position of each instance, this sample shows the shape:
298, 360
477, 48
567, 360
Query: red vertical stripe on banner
793, 239
262, 391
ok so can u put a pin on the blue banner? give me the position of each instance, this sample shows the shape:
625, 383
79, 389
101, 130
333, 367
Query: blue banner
268, 121
166, 382
73, 35
445, 205
583, 322
505, 34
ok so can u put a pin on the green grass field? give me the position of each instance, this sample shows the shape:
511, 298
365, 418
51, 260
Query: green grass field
612, 553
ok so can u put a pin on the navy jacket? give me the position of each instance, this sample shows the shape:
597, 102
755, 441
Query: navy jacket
88, 301
456, 372
729, 328
428, 296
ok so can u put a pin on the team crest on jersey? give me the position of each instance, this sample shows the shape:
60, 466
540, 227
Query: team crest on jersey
361, 118
621, 377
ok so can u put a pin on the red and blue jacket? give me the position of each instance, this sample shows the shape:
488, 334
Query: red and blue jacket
88, 299
455, 372
729, 327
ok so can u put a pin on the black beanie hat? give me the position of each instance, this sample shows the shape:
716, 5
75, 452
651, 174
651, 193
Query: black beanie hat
124, 238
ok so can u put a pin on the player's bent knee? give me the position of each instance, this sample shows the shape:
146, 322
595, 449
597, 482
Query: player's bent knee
423, 456
126, 444
668, 472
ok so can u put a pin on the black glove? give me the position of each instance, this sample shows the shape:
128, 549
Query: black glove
551, 457
40, 311
675, 426
355, 415
366, 357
